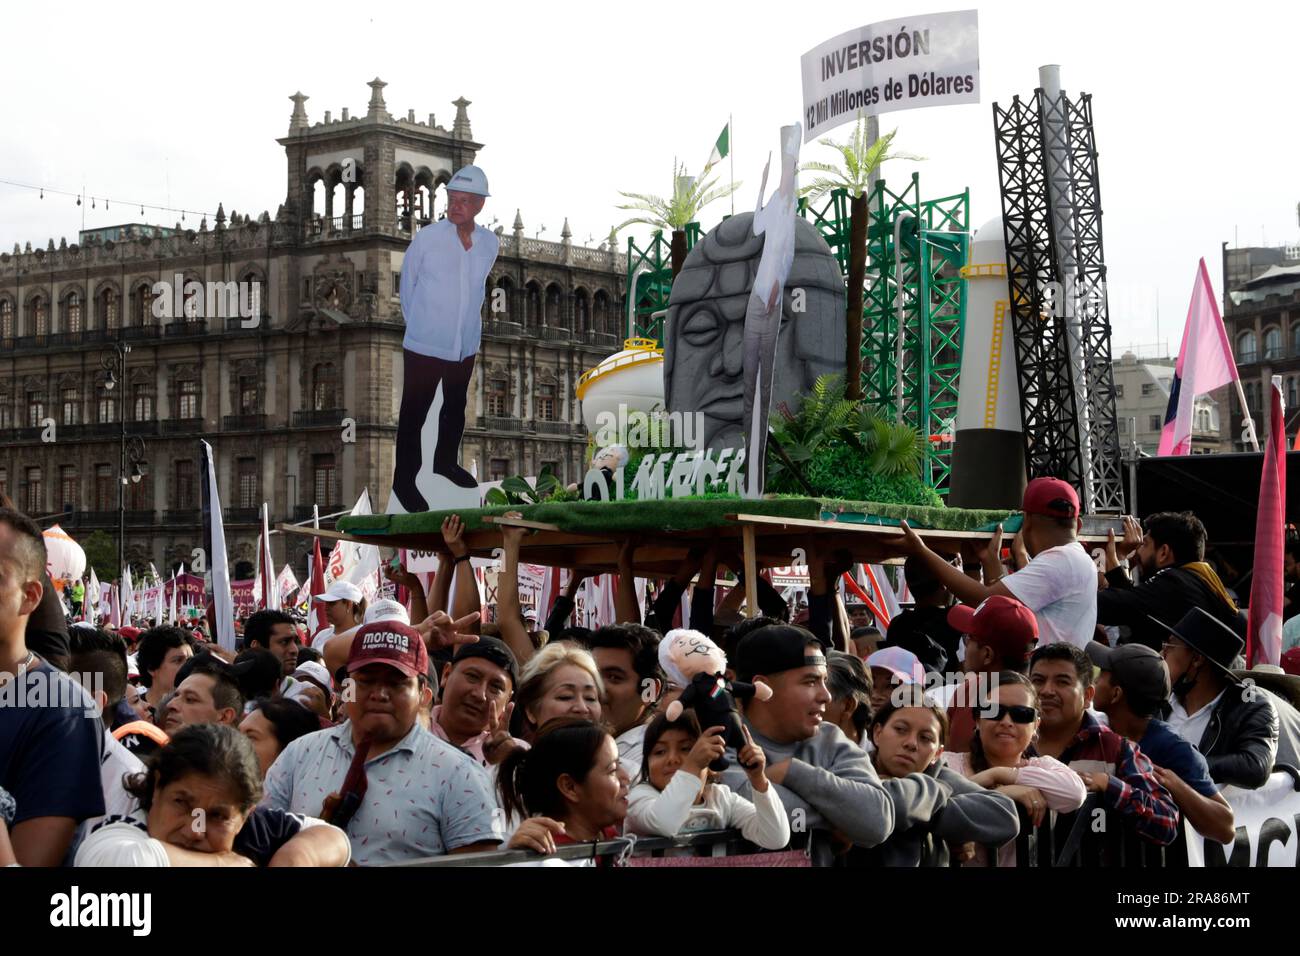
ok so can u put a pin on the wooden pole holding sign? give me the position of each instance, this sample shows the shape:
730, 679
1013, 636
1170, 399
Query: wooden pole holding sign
749, 541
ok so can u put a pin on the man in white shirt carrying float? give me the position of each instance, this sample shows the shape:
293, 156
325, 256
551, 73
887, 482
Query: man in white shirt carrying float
444, 274
1059, 584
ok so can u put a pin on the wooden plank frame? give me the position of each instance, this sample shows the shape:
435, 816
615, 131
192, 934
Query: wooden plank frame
772, 540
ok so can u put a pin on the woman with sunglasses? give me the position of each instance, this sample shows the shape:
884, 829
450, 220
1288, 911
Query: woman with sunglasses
1002, 758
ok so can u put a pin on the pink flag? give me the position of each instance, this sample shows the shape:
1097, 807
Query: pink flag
1204, 363
1264, 630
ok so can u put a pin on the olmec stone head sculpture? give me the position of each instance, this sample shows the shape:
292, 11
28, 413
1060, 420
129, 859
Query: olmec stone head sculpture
704, 332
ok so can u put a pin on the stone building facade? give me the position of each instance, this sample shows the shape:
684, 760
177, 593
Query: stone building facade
299, 397
1262, 318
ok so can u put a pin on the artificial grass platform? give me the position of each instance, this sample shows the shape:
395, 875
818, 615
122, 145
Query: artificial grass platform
686, 514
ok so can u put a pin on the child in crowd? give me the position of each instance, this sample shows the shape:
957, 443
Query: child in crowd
675, 796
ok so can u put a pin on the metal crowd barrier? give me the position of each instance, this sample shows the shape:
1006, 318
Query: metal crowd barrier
704, 843
1092, 836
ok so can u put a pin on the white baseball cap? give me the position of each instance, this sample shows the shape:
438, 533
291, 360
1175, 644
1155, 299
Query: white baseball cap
386, 609
469, 179
340, 591
901, 662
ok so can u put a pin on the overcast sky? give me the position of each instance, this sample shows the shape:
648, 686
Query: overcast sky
181, 105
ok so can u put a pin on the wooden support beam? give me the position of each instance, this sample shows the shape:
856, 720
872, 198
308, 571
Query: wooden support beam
751, 571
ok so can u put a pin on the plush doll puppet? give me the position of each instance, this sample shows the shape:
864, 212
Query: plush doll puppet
695, 663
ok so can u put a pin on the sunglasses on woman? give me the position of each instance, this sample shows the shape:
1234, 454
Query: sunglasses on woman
1020, 714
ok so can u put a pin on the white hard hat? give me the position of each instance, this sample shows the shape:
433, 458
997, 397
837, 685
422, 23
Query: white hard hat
469, 179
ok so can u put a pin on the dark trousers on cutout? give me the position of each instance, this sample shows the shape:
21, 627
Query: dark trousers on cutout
422, 376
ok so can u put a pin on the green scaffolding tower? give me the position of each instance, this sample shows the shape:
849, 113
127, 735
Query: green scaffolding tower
650, 280
915, 283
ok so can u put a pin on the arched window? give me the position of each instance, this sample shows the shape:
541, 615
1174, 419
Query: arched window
1247, 348
533, 306
601, 312
6, 319
38, 315
506, 297
72, 312
554, 306
1295, 339
324, 387
1272, 342
107, 308
581, 311
142, 305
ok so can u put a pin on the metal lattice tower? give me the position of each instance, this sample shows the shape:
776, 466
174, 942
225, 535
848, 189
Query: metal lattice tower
650, 281
933, 238
1051, 215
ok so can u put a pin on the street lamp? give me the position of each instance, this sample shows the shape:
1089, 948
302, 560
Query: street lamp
113, 361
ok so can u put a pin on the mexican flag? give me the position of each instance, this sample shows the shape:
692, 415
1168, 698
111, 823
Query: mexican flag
721, 148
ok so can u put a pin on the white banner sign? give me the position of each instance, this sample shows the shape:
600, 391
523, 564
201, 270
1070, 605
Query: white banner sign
791, 577
1266, 828
422, 562
930, 60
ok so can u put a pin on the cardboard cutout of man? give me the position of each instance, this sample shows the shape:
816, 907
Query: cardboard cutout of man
776, 222
444, 276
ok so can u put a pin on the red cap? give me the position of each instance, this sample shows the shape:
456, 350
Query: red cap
1291, 661
129, 633
1052, 497
389, 642
1000, 622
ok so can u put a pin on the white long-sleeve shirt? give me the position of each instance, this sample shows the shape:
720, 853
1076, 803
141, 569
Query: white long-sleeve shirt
674, 810
1061, 787
443, 287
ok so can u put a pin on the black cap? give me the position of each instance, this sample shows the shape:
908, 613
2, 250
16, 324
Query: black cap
1138, 669
776, 648
1207, 635
491, 649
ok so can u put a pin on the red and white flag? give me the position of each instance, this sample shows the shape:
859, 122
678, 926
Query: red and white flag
1264, 630
1205, 363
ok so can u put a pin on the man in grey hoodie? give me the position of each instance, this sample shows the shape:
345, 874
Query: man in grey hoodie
825, 781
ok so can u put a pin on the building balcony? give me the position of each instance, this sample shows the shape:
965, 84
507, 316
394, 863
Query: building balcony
65, 338
243, 423
552, 428
493, 423
143, 429
101, 430
553, 333
503, 328
319, 418
602, 339
243, 515
138, 519
182, 426
184, 516
135, 332
97, 519
237, 323
185, 327
303, 512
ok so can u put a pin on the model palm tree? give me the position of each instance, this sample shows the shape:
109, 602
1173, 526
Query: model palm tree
672, 215
860, 161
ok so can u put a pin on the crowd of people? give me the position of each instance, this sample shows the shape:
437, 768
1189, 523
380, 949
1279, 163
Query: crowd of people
1009, 692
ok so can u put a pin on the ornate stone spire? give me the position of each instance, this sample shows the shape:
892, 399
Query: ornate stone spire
221, 216
460, 128
518, 226
378, 109
566, 234
299, 118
